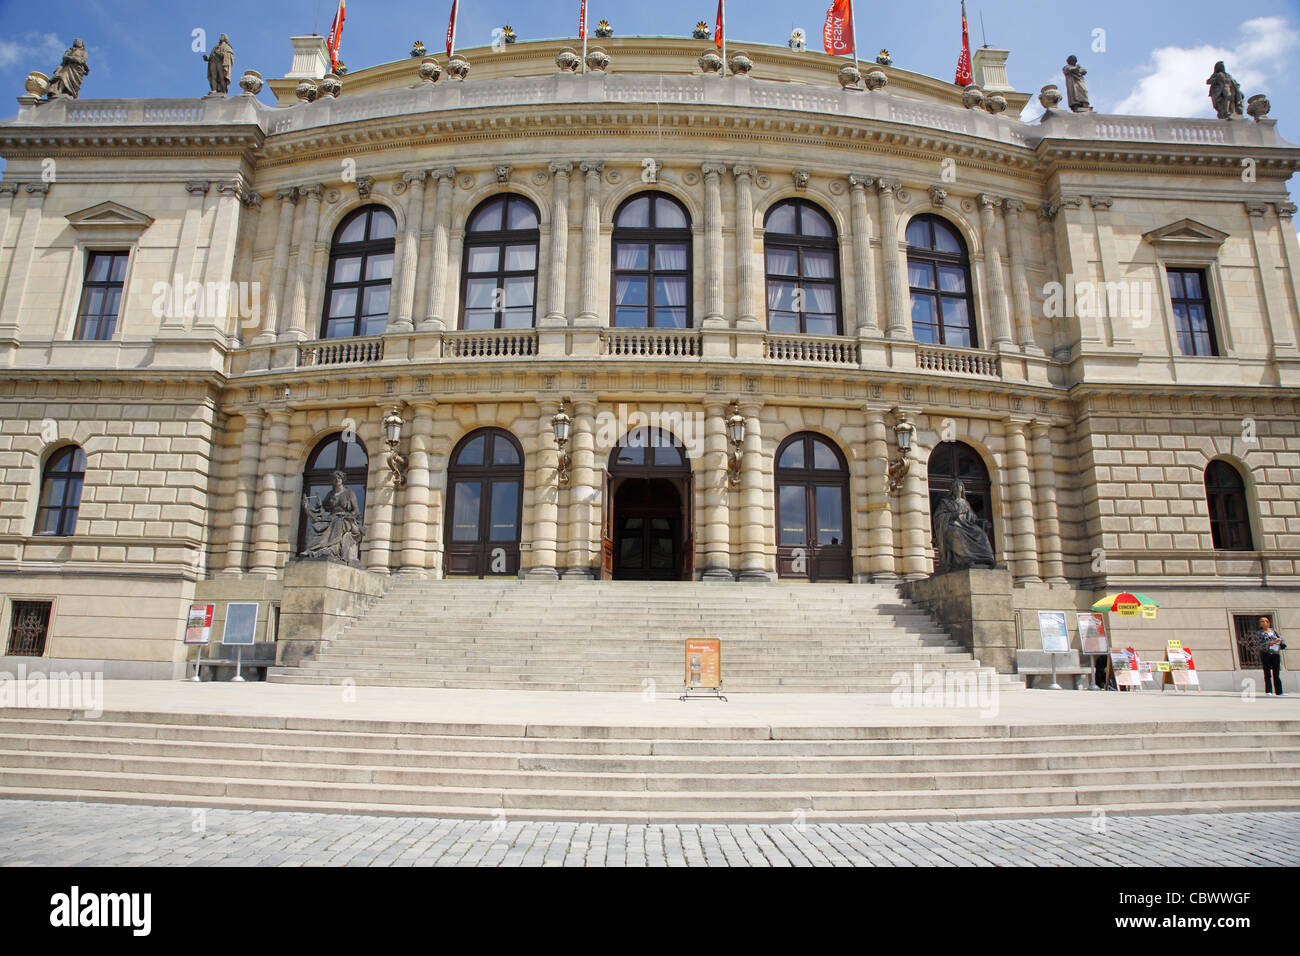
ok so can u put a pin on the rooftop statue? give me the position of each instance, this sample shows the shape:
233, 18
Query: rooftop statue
67, 78
1076, 87
1225, 93
960, 538
220, 62
334, 528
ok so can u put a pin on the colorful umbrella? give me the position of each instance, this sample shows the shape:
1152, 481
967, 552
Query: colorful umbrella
1127, 604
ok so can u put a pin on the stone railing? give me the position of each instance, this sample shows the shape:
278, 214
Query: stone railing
959, 361
506, 344
822, 350
651, 343
341, 352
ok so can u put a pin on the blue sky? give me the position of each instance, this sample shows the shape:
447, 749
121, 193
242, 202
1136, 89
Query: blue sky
1157, 53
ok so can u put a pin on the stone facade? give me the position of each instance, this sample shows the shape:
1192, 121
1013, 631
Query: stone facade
197, 422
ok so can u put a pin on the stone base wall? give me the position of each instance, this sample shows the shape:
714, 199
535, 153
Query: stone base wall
974, 606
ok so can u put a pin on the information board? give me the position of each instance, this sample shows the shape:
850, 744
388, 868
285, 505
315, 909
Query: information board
1092, 634
1124, 665
241, 624
198, 624
1182, 668
703, 663
1054, 632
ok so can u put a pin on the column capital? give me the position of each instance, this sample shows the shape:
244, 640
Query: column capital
34, 188
1015, 424
1100, 202
988, 201
750, 407
413, 176
742, 170
558, 167
1040, 427
197, 187
444, 172
713, 169
859, 180
1286, 209
1047, 211
232, 187
287, 194
1013, 205
1070, 202
592, 167
887, 186
313, 191
8, 189
1256, 209
250, 199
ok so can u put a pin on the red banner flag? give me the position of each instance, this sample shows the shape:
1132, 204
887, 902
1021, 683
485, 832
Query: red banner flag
451, 28
965, 77
582, 21
719, 26
336, 35
837, 35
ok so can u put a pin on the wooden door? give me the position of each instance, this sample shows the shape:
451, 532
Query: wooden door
606, 529
688, 547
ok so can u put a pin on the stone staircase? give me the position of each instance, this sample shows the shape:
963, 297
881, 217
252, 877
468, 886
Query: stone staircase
619, 636
625, 773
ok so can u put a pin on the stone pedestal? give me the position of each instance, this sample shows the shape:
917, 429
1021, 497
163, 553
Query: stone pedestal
320, 599
974, 606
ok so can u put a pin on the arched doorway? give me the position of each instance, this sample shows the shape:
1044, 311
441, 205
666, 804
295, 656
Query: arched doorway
342, 451
648, 512
951, 460
812, 509
485, 484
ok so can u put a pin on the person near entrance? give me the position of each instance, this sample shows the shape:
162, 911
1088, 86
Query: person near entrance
1271, 646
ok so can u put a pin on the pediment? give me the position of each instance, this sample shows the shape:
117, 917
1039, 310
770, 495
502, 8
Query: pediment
110, 215
1186, 232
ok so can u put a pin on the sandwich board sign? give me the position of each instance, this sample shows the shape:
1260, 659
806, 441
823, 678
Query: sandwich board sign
1182, 668
703, 666
198, 624
1092, 633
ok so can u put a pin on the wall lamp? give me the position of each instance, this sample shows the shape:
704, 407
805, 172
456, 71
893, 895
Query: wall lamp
562, 426
736, 438
392, 437
898, 467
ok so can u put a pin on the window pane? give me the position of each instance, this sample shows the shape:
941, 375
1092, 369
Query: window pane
666, 454
113, 301
382, 224
504, 511
783, 322
347, 270
1192, 282
780, 295
630, 290
636, 214
956, 336
918, 234
631, 452
632, 255
925, 333
488, 219
376, 301
343, 302
830, 515
465, 510
52, 493
816, 223
670, 318
923, 310
503, 452
792, 457
668, 215
781, 219
100, 264
517, 318
519, 292
472, 453
118, 273
671, 258
794, 520
339, 328
630, 318
94, 302
782, 262
479, 293
522, 215
818, 324
521, 258
955, 315
379, 267
819, 297
1196, 315
824, 457
354, 456
945, 238
670, 292
818, 265
952, 280
479, 319
1176, 288
920, 275
483, 258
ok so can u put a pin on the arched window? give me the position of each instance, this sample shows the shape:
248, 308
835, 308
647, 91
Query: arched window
803, 269
61, 481
360, 278
648, 507
500, 254
1225, 493
485, 492
812, 503
652, 263
951, 460
938, 272
335, 453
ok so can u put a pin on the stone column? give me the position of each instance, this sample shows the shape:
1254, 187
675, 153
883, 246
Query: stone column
713, 252
546, 510
415, 515
409, 251
435, 320
1012, 210
1049, 526
1023, 557
1277, 309
7, 193
270, 486
557, 314
1291, 256
915, 518
245, 494
897, 298
220, 268
275, 293
993, 260
863, 273
446, 430
184, 269
583, 490
21, 261
589, 314
752, 530
305, 278
1058, 333
746, 291
714, 530
1119, 335
377, 549
879, 510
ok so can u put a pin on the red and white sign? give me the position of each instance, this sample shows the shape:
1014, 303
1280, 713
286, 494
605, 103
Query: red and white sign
336, 35
837, 34
965, 75
198, 624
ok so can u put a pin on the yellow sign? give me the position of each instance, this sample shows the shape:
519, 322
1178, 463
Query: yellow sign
1162, 667
1175, 645
1128, 610
703, 663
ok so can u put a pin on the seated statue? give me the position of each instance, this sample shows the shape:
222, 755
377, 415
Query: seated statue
334, 528
959, 536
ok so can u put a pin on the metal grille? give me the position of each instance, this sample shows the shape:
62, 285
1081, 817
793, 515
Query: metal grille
27, 633
1246, 627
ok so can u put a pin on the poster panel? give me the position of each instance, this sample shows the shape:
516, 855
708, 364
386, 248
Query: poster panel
241, 623
1092, 633
1054, 632
703, 663
198, 624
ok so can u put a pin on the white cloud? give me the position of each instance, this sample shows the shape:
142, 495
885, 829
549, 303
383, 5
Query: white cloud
32, 51
1174, 84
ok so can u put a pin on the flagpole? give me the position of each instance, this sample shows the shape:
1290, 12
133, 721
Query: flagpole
455, 22
584, 35
724, 37
853, 34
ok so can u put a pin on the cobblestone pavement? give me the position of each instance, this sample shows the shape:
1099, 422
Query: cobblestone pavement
45, 833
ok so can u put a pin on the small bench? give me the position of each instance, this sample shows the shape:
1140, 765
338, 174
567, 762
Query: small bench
253, 661
1031, 665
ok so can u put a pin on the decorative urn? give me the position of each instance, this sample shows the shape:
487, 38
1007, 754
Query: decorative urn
251, 82
710, 61
1049, 97
306, 91
995, 103
597, 60
330, 85
875, 80
849, 77
429, 70
568, 61
740, 64
458, 67
1258, 106
972, 97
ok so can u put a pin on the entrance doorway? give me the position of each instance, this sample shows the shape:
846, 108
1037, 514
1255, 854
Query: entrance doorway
647, 531
812, 502
485, 499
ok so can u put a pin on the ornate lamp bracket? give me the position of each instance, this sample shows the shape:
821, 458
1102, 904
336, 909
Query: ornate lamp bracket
562, 427
900, 465
735, 425
393, 437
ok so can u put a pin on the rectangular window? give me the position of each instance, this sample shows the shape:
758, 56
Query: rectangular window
1190, 297
101, 296
1246, 631
27, 631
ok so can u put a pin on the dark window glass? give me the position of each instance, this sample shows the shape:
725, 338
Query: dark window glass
803, 277
651, 282
938, 274
1193, 318
485, 492
1225, 493
61, 482
499, 273
101, 296
359, 282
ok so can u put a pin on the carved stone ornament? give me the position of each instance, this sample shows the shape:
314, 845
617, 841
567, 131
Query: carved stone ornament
800, 177
1049, 97
568, 61
1258, 106
849, 77
740, 64
37, 83
221, 61
332, 525
330, 85
972, 97
1076, 87
251, 82
875, 80
702, 31
597, 60
710, 61
938, 195
502, 174
306, 91
364, 185
67, 77
458, 67
429, 70
995, 104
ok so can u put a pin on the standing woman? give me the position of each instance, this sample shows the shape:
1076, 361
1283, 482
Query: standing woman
1271, 646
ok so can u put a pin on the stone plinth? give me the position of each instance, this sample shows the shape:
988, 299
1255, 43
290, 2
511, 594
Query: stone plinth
974, 606
320, 599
